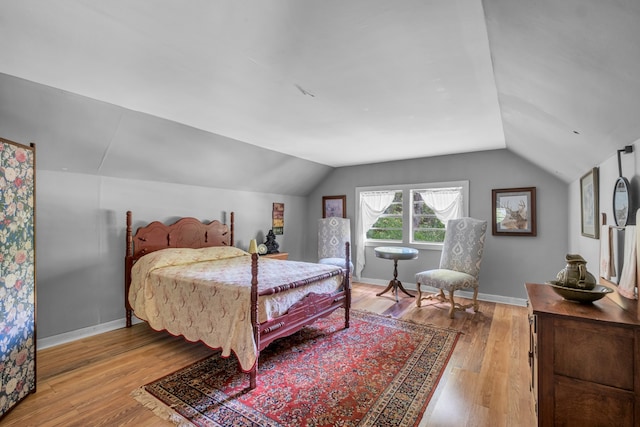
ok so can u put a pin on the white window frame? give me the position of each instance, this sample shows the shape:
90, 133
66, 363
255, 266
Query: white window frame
407, 210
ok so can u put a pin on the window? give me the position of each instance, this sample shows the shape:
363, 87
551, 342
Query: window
426, 227
389, 224
410, 214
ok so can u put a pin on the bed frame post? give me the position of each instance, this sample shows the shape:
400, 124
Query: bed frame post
347, 286
254, 318
232, 219
127, 271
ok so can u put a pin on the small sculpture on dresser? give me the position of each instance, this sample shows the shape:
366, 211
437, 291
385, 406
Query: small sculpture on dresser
575, 283
575, 274
272, 245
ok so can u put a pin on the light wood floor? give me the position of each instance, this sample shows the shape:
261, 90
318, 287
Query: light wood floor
87, 382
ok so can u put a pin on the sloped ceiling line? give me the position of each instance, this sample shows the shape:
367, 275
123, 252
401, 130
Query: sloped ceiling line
111, 141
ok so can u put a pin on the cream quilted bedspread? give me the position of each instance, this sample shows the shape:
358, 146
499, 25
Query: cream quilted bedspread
205, 294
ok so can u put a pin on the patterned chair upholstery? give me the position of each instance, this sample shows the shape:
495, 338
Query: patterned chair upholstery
333, 233
459, 263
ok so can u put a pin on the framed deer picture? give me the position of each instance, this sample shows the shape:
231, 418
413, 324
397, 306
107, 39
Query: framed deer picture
513, 211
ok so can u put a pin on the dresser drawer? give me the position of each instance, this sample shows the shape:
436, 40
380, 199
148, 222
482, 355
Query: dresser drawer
602, 354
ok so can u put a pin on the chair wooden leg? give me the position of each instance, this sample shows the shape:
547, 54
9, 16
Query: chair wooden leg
454, 306
476, 306
452, 310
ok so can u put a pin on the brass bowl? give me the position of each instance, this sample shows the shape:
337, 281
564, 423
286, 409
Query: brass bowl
580, 295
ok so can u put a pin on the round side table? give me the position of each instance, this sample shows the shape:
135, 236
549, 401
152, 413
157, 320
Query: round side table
395, 253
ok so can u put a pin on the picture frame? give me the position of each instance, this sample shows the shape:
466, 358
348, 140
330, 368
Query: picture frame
513, 212
589, 204
277, 218
334, 206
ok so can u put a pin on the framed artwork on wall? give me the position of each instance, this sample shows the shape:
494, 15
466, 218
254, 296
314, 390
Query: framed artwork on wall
513, 211
334, 206
589, 196
277, 224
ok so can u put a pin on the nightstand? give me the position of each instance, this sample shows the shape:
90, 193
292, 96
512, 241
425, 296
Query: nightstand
280, 255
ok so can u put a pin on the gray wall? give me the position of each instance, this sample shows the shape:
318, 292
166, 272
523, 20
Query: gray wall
81, 237
95, 161
83, 192
508, 261
81, 225
608, 171
82, 135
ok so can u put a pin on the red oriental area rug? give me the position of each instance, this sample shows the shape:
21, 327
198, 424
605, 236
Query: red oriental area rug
379, 372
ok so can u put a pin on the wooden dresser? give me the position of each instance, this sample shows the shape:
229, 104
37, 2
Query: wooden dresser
585, 360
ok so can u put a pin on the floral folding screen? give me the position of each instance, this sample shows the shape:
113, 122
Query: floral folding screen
17, 279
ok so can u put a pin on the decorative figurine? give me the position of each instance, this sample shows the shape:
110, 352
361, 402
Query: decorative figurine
272, 245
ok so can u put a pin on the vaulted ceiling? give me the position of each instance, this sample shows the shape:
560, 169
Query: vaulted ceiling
346, 82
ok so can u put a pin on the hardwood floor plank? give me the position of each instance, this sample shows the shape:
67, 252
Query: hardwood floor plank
88, 382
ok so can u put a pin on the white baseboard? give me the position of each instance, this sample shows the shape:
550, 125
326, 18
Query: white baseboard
120, 323
66, 337
522, 302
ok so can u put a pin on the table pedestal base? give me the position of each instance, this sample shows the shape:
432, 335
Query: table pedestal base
395, 284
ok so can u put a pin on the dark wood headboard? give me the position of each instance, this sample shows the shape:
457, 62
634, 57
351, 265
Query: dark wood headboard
184, 233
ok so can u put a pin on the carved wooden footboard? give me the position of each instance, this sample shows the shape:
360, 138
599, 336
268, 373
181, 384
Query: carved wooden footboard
192, 233
303, 313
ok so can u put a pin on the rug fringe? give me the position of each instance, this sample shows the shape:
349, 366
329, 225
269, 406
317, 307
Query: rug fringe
158, 408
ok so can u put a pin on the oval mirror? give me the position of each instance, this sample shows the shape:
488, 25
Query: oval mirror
621, 202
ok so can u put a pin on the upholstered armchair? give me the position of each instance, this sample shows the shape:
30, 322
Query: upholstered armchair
459, 263
333, 233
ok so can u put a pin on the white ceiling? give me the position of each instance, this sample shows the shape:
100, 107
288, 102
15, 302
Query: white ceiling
345, 82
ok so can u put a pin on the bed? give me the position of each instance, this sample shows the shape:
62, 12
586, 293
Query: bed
188, 278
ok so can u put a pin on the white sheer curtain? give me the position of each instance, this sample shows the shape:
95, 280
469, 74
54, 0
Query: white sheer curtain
446, 203
372, 205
